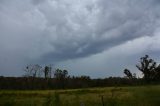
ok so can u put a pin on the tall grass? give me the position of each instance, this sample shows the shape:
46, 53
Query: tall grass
52, 100
112, 96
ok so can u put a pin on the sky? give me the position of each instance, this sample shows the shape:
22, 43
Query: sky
99, 38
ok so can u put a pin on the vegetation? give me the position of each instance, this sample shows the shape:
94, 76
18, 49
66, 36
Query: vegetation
112, 96
34, 78
149, 68
128, 73
27, 90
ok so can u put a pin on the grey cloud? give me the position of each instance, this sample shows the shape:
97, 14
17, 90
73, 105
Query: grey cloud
38, 31
114, 24
112, 62
36, 2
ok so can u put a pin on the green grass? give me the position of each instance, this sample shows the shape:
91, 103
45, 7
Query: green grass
112, 96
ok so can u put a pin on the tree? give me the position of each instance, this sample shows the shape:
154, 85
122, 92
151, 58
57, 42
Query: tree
33, 70
65, 73
128, 73
60, 76
147, 66
47, 71
157, 73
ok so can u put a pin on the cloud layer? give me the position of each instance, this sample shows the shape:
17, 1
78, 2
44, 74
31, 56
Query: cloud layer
52, 31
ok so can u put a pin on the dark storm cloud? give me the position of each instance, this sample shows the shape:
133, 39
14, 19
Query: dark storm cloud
106, 24
46, 31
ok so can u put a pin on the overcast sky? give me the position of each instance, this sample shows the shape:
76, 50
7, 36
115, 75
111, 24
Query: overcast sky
87, 37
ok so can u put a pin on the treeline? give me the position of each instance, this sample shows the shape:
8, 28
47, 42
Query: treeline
30, 83
38, 77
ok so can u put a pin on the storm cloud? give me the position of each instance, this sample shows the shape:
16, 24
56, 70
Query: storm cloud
57, 31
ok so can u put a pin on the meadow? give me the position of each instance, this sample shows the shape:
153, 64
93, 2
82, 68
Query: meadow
108, 96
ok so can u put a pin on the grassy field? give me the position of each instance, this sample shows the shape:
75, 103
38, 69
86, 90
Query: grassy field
109, 96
